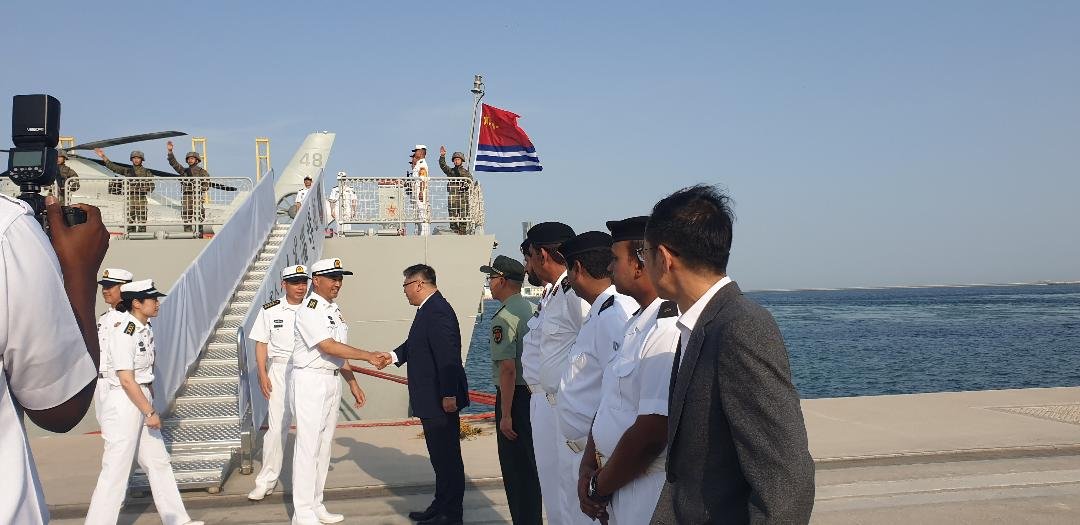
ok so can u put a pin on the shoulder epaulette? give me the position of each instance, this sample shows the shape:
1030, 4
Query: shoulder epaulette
130, 328
271, 304
565, 285
667, 309
313, 303
607, 304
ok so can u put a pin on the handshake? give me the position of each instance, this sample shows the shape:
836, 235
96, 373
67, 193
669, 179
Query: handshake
379, 359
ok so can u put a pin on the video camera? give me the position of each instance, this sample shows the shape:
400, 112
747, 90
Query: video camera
35, 131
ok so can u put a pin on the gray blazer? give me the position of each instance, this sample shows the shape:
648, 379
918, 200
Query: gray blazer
737, 442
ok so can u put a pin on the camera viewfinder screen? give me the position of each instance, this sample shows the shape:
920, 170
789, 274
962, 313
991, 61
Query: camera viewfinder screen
21, 159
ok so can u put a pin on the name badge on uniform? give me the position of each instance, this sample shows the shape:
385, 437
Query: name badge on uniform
142, 346
332, 323
279, 323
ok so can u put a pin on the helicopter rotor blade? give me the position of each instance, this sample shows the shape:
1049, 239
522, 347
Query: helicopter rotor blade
127, 140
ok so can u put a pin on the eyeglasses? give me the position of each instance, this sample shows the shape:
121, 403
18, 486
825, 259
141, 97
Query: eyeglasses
411, 282
640, 252
493, 277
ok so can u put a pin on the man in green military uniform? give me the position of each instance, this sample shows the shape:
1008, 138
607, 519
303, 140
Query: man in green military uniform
458, 198
193, 191
136, 190
62, 185
514, 438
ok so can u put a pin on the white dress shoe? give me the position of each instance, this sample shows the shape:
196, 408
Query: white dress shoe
328, 517
258, 493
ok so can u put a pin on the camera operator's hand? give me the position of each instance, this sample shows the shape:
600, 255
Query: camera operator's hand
169, 146
80, 248
100, 153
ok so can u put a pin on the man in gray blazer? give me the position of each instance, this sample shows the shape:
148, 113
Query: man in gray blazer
737, 449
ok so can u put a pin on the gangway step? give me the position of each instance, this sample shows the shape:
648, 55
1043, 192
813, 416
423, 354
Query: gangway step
206, 390
204, 411
220, 351
192, 472
217, 369
187, 436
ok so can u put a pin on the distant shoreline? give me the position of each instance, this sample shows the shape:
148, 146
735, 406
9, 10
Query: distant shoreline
917, 286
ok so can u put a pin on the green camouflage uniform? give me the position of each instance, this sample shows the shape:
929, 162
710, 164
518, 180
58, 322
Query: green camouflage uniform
136, 192
61, 182
459, 196
192, 212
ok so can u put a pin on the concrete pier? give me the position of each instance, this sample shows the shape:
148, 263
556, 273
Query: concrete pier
968, 457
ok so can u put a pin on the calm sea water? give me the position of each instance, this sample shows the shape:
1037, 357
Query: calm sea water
906, 340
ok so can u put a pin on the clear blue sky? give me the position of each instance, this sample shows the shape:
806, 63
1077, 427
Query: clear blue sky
863, 143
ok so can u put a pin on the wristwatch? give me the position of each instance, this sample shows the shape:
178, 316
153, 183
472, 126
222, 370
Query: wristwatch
594, 490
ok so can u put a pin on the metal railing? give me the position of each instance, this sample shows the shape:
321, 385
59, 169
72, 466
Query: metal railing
135, 203
456, 203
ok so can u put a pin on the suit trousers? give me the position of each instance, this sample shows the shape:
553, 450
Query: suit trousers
277, 419
443, 437
518, 461
634, 503
315, 399
547, 456
125, 434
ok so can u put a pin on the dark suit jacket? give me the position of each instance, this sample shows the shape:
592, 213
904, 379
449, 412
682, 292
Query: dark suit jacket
737, 442
433, 352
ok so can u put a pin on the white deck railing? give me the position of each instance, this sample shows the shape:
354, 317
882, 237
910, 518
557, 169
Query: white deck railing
156, 202
371, 204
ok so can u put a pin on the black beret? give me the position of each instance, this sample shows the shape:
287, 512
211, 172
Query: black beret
585, 242
632, 229
549, 233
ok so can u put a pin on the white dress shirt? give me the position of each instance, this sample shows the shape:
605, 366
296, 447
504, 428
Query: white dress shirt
689, 318
275, 325
40, 346
530, 344
562, 320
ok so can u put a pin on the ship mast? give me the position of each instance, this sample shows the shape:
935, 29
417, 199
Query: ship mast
478, 93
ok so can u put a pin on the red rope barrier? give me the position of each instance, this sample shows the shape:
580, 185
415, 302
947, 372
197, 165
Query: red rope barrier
484, 398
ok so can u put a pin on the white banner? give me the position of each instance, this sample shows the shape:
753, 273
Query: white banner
196, 301
303, 244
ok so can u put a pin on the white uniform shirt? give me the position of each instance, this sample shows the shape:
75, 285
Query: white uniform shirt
109, 321
41, 348
638, 377
346, 210
601, 333
420, 170
301, 194
316, 321
530, 344
275, 325
562, 320
131, 347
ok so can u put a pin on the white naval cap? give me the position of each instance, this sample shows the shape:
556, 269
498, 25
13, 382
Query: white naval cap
113, 276
140, 290
342, 174
419, 146
294, 273
328, 267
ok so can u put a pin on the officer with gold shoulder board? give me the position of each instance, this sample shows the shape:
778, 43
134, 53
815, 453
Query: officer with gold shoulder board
273, 333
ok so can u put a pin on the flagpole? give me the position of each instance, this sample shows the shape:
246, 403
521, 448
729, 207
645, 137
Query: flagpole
478, 93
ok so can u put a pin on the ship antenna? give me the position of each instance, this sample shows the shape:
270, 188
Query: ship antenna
478, 93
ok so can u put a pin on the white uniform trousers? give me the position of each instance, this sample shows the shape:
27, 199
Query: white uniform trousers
542, 416
124, 433
278, 419
569, 462
316, 394
635, 502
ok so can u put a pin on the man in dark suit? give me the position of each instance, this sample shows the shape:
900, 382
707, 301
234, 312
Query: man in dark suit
737, 442
437, 390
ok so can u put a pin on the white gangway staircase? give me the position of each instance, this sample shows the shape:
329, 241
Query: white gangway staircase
204, 430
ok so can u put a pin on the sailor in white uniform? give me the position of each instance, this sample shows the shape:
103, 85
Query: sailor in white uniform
560, 319
44, 361
587, 258
623, 466
111, 279
273, 334
319, 356
344, 203
129, 422
420, 188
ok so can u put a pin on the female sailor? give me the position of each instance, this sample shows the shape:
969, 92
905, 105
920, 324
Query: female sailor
126, 413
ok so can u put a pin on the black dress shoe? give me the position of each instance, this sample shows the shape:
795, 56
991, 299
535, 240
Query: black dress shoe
441, 519
424, 515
